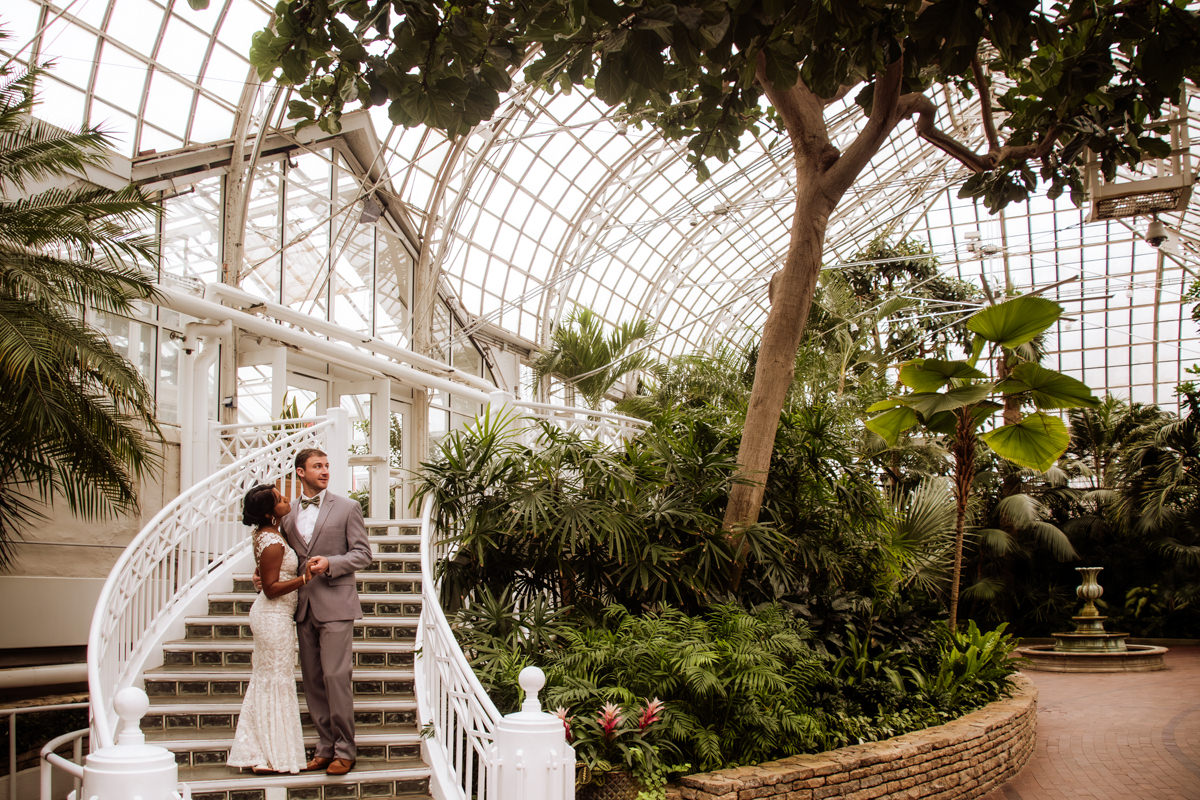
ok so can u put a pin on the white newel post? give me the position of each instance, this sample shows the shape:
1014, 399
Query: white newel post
530, 756
131, 768
338, 450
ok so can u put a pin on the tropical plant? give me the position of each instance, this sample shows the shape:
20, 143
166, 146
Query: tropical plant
971, 669
586, 523
582, 355
79, 419
617, 739
733, 682
952, 398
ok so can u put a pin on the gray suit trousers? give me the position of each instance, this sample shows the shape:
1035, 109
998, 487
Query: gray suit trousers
325, 665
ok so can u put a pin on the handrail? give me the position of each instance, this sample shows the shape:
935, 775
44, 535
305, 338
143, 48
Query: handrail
452, 704
603, 426
13, 713
51, 760
171, 562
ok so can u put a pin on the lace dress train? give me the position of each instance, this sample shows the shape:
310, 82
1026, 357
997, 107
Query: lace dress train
268, 733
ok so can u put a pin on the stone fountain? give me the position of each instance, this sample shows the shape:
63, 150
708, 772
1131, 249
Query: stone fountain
1090, 648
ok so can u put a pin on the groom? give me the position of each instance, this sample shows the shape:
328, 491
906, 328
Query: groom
327, 530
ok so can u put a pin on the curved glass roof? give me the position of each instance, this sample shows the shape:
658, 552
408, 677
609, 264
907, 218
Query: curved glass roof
556, 202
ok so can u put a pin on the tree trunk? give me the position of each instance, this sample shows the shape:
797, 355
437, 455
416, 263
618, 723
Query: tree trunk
964, 477
792, 290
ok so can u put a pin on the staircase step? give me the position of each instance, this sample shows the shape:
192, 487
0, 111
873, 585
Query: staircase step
397, 582
373, 605
213, 681
370, 778
392, 544
177, 715
230, 627
236, 652
197, 748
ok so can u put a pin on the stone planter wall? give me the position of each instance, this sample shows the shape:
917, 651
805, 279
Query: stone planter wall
964, 759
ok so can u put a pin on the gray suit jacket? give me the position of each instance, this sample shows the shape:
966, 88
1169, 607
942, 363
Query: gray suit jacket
341, 537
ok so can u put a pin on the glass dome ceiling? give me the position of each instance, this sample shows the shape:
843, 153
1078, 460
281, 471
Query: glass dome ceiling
557, 203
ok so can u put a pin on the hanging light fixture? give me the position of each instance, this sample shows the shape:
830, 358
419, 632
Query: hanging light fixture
371, 210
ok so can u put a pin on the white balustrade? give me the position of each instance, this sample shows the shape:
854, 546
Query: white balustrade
603, 426
455, 711
175, 558
457, 716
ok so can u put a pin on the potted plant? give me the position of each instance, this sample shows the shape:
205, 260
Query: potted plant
619, 754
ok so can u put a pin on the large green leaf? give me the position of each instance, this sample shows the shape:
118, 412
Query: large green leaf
929, 403
1015, 322
1035, 442
931, 374
891, 423
1049, 389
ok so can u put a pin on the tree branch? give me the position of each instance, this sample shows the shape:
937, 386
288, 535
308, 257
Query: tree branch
985, 103
883, 118
923, 107
803, 117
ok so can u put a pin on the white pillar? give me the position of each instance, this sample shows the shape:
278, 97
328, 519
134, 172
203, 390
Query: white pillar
380, 447
337, 446
531, 757
131, 768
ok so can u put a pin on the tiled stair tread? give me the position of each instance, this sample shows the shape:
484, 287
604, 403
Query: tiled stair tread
214, 777
217, 704
374, 620
381, 597
220, 672
247, 645
187, 739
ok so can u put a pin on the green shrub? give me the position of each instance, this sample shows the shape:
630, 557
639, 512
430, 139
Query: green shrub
738, 686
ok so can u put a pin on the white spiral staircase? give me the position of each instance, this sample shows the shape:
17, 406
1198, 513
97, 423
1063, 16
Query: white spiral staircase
172, 618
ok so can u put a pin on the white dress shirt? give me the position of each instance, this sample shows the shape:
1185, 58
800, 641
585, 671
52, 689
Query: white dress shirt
306, 518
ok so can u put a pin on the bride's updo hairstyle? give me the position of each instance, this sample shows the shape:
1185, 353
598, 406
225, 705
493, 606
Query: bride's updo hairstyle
259, 505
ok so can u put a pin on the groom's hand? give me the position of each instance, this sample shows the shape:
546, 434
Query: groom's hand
257, 581
318, 564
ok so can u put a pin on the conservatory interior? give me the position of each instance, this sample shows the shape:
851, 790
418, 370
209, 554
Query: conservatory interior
533, 347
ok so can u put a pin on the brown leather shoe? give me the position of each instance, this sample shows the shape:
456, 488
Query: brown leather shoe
318, 762
340, 766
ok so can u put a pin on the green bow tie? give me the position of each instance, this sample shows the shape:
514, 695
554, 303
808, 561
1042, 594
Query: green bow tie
305, 502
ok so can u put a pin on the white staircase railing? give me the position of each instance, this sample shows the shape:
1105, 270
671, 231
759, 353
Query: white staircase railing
176, 556
456, 714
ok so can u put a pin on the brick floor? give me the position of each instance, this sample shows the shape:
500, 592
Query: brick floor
1115, 736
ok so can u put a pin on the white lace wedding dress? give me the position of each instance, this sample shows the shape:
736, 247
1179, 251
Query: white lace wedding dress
268, 730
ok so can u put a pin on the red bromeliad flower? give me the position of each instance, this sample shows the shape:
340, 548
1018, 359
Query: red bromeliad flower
610, 717
651, 714
561, 713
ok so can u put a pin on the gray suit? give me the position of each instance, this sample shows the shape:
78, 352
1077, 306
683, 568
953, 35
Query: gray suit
325, 614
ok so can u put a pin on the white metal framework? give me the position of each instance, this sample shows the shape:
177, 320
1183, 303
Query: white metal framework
555, 203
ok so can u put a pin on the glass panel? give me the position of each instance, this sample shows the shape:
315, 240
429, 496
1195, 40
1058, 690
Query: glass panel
132, 339
254, 394
170, 360
393, 273
306, 235
441, 332
264, 233
191, 243
439, 426
353, 257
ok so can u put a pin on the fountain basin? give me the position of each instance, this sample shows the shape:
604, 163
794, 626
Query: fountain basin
1134, 658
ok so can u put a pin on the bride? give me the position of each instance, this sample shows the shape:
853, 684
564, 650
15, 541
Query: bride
269, 738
